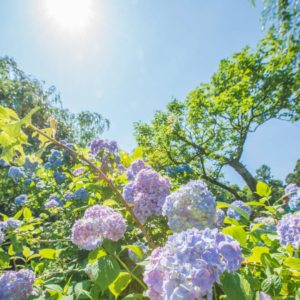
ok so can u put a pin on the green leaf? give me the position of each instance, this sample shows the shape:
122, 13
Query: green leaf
95, 254
235, 287
39, 267
257, 252
254, 203
15, 248
272, 285
81, 286
293, 263
47, 253
263, 190
26, 252
110, 246
231, 221
109, 202
26, 228
54, 287
136, 249
138, 153
254, 282
18, 215
120, 284
237, 233
4, 259
27, 213
134, 296
237, 209
105, 270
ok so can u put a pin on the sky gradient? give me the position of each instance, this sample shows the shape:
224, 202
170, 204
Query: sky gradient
135, 55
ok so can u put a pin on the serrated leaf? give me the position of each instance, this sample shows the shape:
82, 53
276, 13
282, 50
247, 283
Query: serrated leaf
238, 233
293, 263
231, 221
18, 215
120, 284
26, 252
83, 285
95, 254
105, 270
110, 202
47, 253
27, 213
54, 287
257, 252
136, 249
272, 285
263, 190
4, 259
41, 138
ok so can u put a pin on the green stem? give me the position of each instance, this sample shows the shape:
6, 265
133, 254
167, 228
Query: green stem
215, 292
130, 272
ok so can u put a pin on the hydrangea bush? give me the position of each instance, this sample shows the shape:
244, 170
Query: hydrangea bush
98, 223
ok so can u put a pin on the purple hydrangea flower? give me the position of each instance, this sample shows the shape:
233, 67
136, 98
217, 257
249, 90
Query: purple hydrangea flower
68, 196
40, 185
2, 237
81, 194
21, 200
294, 202
192, 205
104, 162
135, 168
3, 163
3, 226
13, 223
121, 169
288, 229
269, 224
264, 296
30, 167
16, 285
99, 222
231, 213
148, 193
97, 145
291, 188
59, 177
53, 203
190, 263
220, 217
79, 171
112, 146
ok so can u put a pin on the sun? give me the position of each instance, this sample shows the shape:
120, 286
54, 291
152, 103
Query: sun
70, 14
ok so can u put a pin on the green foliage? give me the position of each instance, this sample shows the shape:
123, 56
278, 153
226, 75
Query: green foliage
295, 176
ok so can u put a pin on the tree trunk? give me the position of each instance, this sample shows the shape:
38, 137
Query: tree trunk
246, 175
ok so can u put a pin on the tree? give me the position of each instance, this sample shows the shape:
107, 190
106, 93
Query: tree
263, 174
211, 126
295, 176
22, 93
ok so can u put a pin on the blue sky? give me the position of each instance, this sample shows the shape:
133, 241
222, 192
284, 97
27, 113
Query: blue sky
135, 55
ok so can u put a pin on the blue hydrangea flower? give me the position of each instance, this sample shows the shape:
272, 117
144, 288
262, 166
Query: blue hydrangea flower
65, 152
291, 188
3, 226
3, 163
58, 163
68, 196
30, 167
179, 169
16, 173
59, 177
2, 237
36, 178
135, 168
21, 200
220, 217
190, 263
231, 213
170, 169
81, 194
40, 185
48, 166
192, 205
13, 223
28, 181
294, 202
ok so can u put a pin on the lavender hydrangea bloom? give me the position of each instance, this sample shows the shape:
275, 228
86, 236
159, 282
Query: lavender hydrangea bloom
190, 263
148, 193
3, 163
40, 185
13, 223
133, 256
59, 177
112, 146
294, 202
269, 224
30, 167
3, 226
81, 194
16, 285
99, 222
192, 205
79, 171
2, 237
291, 188
231, 213
264, 296
68, 196
16, 173
121, 169
104, 162
220, 217
288, 229
28, 181
21, 200
135, 168
96, 146
53, 203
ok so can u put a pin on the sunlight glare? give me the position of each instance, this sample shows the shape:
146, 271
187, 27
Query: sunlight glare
70, 14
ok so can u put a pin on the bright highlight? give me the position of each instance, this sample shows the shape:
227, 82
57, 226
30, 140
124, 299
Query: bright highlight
70, 14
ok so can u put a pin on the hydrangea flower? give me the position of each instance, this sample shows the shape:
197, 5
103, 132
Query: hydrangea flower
135, 168
13, 223
104, 162
179, 169
53, 203
58, 163
288, 229
16, 285
68, 196
294, 202
3, 163
220, 217
269, 224
28, 181
21, 200
291, 188
2, 237
187, 168
121, 169
59, 177
30, 167
98, 144
192, 205
99, 222
88, 271
133, 256
36, 178
16, 173
81, 194
3, 226
148, 193
170, 169
231, 213
69, 145
79, 171
264, 296
48, 166
117, 159
41, 184
190, 263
